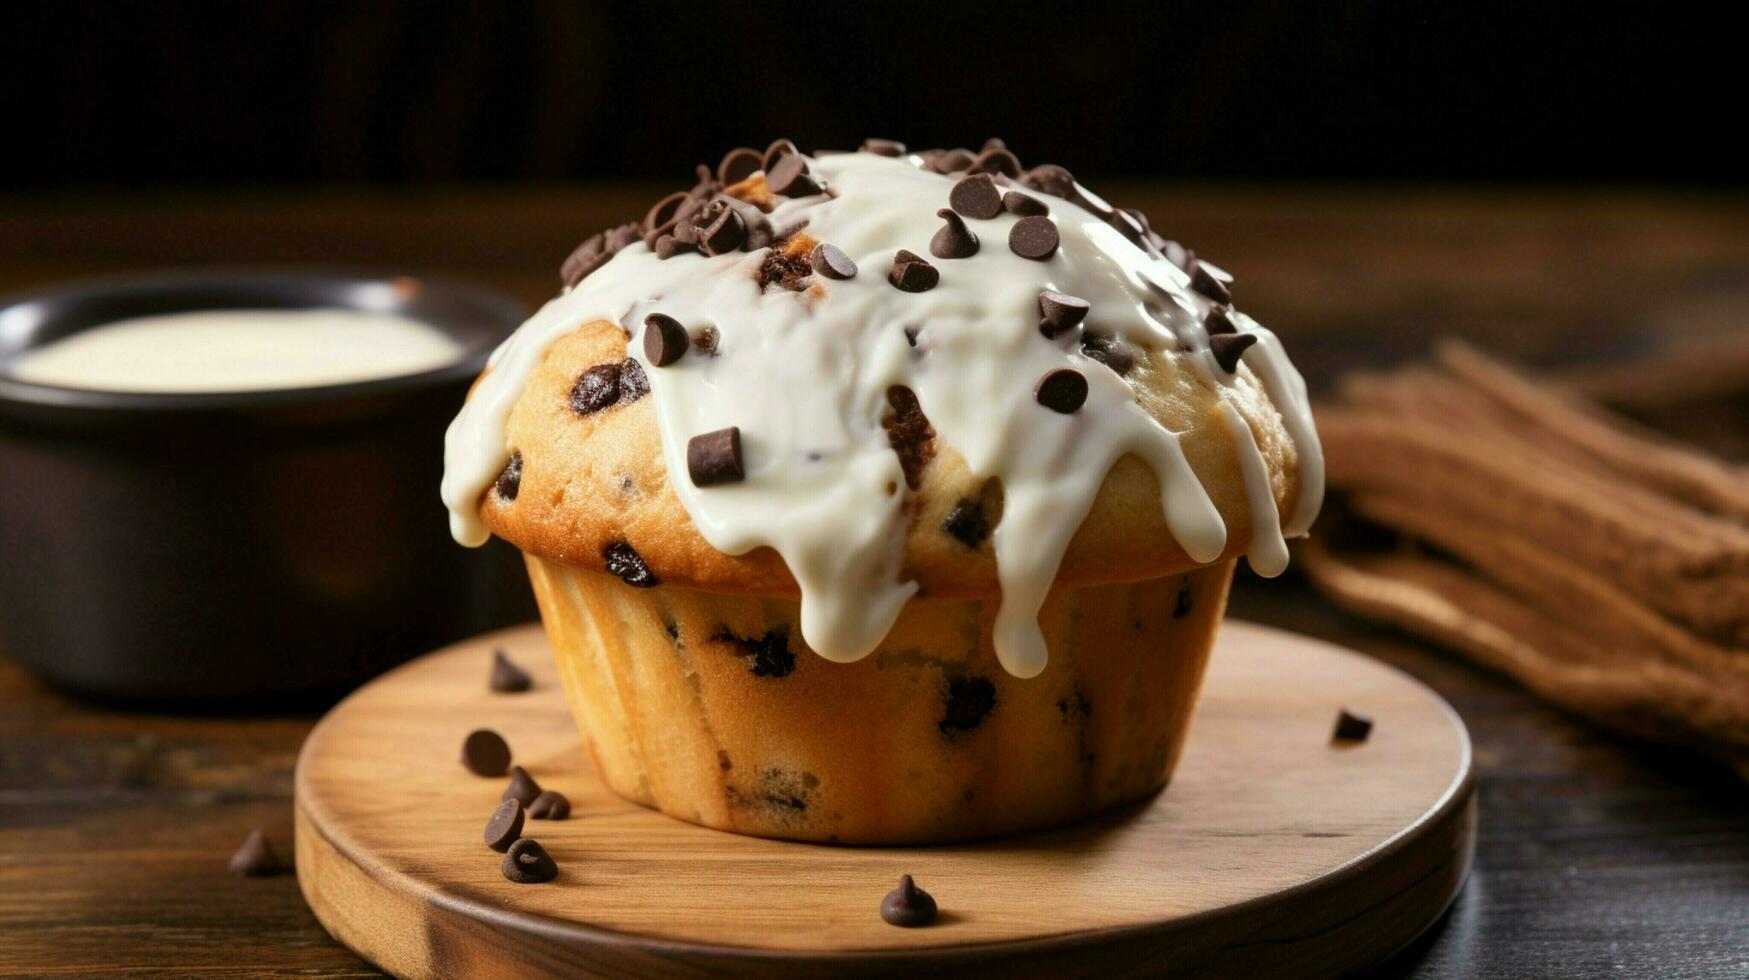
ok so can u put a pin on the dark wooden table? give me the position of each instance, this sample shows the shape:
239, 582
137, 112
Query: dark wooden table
1596, 856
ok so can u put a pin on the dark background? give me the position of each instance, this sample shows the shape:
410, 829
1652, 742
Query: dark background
134, 93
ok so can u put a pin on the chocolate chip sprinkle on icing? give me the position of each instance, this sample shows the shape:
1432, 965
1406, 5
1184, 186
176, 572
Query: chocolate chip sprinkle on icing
976, 197
725, 231
954, 240
908, 906
1033, 238
911, 274
714, 458
738, 165
1108, 351
1205, 283
665, 340
1060, 313
1063, 390
1229, 347
1025, 205
791, 177
706, 341
885, 148
1050, 179
830, 261
1217, 322
995, 160
778, 149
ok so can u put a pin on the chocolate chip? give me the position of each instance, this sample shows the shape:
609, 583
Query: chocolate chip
1033, 238
1024, 205
791, 177
1228, 347
523, 789
665, 340
706, 341
715, 458
255, 858
633, 385
831, 262
725, 232
528, 863
885, 148
596, 389
767, 656
909, 433
509, 480
778, 148
968, 701
485, 753
908, 906
995, 160
1181, 605
911, 334
668, 246
1063, 390
1351, 727
1217, 322
504, 825
958, 158
583, 260
967, 523
1205, 283
911, 274
738, 165
661, 214
1127, 226
623, 235
976, 197
954, 240
622, 560
550, 805
995, 143
1109, 351
1049, 178
507, 678
1059, 313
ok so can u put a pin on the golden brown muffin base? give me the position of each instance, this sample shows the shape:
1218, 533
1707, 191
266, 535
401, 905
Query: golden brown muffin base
710, 708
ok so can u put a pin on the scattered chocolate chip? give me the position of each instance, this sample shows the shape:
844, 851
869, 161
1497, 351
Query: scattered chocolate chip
1205, 283
909, 433
968, 701
1228, 347
715, 458
967, 524
791, 177
911, 334
255, 858
523, 789
622, 560
550, 805
778, 148
1217, 322
1127, 226
665, 340
738, 165
996, 160
976, 197
507, 678
908, 906
954, 240
661, 214
1060, 313
1024, 205
1033, 238
831, 262
528, 863
1351, 727
509, 480
485, 753
911, 274
1050, 179
767, 656
706, 341
1063, 390
633, 385
1181, 605
1109, 351
725, 232
885, 148
504, 825
596, 389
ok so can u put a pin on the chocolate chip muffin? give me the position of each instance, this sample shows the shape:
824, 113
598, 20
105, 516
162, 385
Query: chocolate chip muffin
885, 497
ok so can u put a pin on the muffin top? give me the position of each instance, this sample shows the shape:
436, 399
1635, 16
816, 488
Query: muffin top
860, 377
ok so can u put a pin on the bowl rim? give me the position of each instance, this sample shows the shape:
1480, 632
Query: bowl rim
30, 307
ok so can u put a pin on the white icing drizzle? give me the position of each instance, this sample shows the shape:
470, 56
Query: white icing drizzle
805, 376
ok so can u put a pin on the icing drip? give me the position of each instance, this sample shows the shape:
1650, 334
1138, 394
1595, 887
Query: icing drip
804, 375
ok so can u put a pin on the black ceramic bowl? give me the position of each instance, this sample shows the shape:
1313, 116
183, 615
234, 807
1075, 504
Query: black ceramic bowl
239, 547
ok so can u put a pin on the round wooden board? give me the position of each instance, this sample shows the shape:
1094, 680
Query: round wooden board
1273, 852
